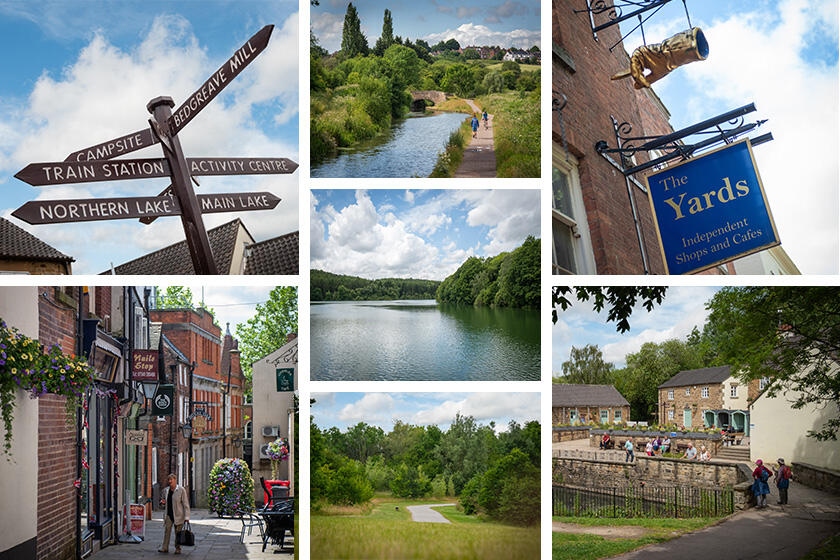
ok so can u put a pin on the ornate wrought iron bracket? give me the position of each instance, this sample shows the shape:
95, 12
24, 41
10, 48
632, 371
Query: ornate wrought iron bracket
615, 11
720, 129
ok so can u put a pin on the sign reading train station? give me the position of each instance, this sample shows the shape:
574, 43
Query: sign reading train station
96, 163
711, 209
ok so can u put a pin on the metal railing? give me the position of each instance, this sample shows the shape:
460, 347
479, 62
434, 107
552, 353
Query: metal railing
676, 501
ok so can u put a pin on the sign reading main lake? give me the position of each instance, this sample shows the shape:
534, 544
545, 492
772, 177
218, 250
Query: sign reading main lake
711, 209
421, 340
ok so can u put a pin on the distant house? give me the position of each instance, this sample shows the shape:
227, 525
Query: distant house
23, 253
235, 251
706, 398
516, 55
574, 404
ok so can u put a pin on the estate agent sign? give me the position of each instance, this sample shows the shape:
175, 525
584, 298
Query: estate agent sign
97, 163
711, 209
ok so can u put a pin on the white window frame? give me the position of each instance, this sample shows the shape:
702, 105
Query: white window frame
249, 429
733, 391
154, 466
605, 412
688, 391
582, 243
670, 414
181, 468
704, 392
763, 383
671, 395
617, 415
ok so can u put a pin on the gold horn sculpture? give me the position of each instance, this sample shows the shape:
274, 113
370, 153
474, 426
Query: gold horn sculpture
661, 58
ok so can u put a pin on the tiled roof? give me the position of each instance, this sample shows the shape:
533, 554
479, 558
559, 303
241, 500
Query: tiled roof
17, 243
698, 376
567, 394
175, 259
278, 255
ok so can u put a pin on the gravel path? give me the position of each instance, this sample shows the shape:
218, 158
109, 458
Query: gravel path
480, 156
425, 513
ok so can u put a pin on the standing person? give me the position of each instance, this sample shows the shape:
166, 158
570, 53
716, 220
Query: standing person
783, 476
484, 117
657, 443
760, 487
628, 448
177, 512
649, 448
474, 124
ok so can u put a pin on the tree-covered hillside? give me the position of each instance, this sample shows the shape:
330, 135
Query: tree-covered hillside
326, 286
506, 280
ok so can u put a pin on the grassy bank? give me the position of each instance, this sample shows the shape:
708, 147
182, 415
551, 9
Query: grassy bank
582, 546
388, 532
453, 153
516, 134
453, 105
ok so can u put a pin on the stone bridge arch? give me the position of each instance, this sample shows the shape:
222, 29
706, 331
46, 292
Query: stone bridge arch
418, 99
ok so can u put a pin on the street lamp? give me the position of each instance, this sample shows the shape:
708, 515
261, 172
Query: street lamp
149, 389
187, 429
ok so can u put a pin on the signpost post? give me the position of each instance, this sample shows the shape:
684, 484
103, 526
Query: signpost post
96, 163
711, 209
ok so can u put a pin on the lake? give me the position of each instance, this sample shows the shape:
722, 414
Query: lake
409, 149
418, 340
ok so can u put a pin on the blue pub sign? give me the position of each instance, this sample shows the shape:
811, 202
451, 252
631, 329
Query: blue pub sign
711, 209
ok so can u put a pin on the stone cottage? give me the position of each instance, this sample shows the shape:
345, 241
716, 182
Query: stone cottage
579, 404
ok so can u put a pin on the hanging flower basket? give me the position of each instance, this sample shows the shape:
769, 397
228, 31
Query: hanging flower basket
231, 487
27, 365
277, 450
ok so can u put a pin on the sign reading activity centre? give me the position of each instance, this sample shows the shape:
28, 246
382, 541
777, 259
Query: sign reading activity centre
711, 209
97, 163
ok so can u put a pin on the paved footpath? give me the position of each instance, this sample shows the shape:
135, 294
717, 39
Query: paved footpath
775, 533
480, 156
215, 539
425, 513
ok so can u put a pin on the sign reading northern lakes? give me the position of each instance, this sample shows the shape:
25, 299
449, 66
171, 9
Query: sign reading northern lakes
285, 380
711, 209
90, 210
63, 172
220, 78
144, 365
116, 147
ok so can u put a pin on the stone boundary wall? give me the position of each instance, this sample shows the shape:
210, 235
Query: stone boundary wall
654, 472
712, 442
615, 455
569, 433
816, 477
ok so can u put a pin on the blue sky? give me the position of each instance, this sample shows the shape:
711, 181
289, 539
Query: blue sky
381, 409
416, 233
87, 72
782, 55
506, 23
683, 308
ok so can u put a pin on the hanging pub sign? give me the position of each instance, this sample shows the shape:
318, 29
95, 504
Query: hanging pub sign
162, 403
144, 365
711, 209
285, 380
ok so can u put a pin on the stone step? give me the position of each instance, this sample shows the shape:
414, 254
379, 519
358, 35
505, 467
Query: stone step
740, 453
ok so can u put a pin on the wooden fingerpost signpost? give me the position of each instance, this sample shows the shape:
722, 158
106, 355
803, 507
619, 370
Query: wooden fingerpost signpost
97, 163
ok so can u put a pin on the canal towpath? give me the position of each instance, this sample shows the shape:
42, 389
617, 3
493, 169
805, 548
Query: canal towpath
480, 156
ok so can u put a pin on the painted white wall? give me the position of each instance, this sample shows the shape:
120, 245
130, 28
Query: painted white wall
19, 477
778, 430
740, 402
271, 408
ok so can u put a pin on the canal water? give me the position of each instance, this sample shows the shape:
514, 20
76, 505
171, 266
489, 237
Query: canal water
409, 149
421, 340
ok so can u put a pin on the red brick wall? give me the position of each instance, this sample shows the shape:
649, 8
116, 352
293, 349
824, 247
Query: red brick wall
592, 98
56, 440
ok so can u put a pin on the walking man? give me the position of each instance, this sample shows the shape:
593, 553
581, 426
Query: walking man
177, 512
783, 476
629, 457
474, 125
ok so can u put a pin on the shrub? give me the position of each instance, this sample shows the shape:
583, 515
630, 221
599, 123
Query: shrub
469, 495
439, 486
231, 487
348, 484
410, 482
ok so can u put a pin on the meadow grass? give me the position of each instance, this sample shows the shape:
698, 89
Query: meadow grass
516, 132
453, 105
378, 537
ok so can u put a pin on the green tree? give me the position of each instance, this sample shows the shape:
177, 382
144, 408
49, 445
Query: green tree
268, 329
471, 54
586, 365
620, 300
174, 297
458, 79
789, 334
353, 41
494, 82
387, 38
348, 484
405, 65
410, 482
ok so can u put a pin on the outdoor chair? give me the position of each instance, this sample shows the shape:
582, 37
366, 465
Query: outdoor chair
249, 521
266, 492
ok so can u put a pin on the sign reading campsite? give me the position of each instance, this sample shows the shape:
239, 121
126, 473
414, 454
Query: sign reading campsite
96, 163
711, 209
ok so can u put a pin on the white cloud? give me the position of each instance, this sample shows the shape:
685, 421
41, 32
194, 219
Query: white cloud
483, 406
327, 28
477, 34
373, 407
103, 93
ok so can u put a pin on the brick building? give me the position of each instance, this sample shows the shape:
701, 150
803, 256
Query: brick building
708, 397
23, 253
217, 394
602, 222
580, 404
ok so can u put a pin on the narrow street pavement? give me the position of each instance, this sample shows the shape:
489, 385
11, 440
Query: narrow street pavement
480, 156
215, 539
